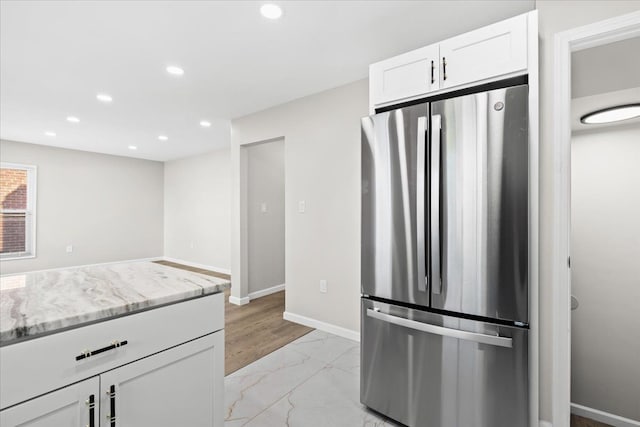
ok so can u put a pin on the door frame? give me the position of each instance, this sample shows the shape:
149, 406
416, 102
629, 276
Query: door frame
565, 43
239, 294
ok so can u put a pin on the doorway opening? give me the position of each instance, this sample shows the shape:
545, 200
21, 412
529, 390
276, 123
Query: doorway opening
265, 217
596, 381
254, 325
605, 238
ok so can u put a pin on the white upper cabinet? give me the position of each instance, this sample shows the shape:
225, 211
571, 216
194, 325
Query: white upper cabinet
406, 75
481, 55
488, 52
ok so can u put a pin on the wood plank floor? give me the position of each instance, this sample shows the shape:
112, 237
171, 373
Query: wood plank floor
195, 269
253, 330
577, 421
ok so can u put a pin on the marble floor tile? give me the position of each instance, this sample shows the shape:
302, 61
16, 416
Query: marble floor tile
257, 386
322, 346
329, 398
313, 381
349, 361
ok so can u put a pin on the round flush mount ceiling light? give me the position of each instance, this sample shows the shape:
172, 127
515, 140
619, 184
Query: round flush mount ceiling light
163, 137
132, 147
103, 97
612, 114
175, 70
271, 11
73, 119
49, 133
205, 124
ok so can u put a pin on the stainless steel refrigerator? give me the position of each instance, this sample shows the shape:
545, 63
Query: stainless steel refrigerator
444, 260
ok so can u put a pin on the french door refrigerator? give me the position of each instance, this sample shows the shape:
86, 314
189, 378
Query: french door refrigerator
444, 261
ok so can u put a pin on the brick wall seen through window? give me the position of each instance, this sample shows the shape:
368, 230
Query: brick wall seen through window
14, 204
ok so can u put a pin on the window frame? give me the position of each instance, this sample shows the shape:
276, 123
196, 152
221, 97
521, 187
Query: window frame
30, 212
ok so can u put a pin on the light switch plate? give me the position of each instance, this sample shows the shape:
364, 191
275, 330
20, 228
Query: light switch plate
323, 286
263, 207
302, 206
69, 249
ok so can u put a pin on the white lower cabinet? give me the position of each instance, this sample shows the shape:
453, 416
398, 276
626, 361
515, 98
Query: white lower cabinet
69, 406
181, 386
177, 387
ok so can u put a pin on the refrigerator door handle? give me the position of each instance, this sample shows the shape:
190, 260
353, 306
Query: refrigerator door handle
440, 330
420, 204
436, 280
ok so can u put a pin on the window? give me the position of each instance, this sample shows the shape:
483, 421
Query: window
18, 207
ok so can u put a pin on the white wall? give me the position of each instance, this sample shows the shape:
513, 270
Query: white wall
197, 209
322, 162
605, 272
265, 230
109, 208
556, 16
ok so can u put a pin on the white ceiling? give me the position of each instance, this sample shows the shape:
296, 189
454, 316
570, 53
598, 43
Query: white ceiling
603, 77
57, 55
607, 68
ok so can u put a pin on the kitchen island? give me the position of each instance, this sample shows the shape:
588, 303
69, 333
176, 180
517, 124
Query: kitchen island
133, 343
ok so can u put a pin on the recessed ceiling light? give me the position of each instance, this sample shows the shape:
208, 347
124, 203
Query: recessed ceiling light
205, 124
163, 137
612, 114
132, 147
73, 119
176, 71
271, 11
49, 133
103, 97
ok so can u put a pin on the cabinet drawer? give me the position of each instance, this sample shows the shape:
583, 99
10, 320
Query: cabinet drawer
37, 366
403, 76
488, 52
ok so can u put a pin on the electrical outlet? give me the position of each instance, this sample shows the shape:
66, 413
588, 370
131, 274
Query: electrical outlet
302, 206
69, 249
323, 286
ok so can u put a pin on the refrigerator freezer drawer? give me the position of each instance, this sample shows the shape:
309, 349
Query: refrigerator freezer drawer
425, 369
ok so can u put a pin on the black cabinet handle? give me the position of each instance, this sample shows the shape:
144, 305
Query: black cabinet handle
91, 403
111, 416
432, 71
444, 68
86, 354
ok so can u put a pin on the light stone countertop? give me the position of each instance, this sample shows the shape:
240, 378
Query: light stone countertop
43, 302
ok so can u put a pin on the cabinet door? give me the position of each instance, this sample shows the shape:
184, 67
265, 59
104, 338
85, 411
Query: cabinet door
182, 386
404, 76
73, 406
490, 51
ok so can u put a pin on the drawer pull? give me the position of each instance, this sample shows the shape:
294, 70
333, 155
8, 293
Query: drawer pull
88, 353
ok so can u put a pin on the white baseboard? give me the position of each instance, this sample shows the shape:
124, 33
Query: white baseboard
265, 292
326, 327
197, 265
239, 301
545, 424
603, 417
